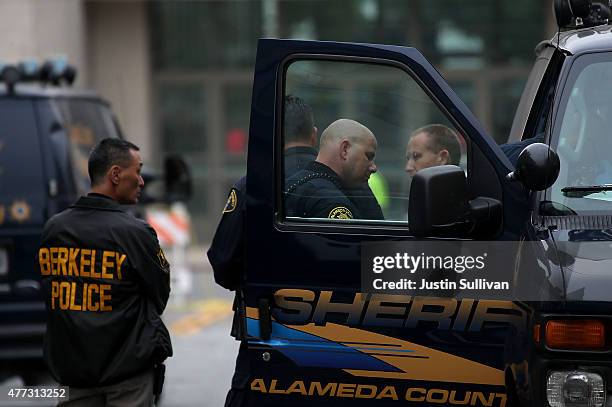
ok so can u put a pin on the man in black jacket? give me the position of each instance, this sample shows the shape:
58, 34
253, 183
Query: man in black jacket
323, 189
106, 282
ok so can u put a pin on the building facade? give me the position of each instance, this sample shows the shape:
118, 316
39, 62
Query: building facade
179, 74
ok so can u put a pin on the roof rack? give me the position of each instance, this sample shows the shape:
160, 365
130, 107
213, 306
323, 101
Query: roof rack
52, 72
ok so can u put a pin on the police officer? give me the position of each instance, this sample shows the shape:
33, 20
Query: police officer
344, 163
226, 253
300, 139
106, 283
431, 146
300, 135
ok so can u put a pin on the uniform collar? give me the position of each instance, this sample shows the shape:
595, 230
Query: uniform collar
316, 166
301, 150
97, 201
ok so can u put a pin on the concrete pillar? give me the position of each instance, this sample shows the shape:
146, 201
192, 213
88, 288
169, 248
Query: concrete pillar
35, 29
119, 66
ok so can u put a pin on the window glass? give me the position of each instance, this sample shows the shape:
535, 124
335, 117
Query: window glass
86, 123
22, 185
505, 98
183, 123
186, 34
370, 128
583, 123
237, 105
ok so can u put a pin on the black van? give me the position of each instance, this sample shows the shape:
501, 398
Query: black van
46, 133
318, 334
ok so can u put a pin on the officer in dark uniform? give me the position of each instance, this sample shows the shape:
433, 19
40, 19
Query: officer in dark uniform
226, 253
343, 165
106, 283
512, 150
300, 135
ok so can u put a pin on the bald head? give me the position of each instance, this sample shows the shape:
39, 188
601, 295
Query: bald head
348, 147
345, 129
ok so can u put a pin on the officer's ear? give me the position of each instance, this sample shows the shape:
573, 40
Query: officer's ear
114, 173
345, 146
313, 136
444, 156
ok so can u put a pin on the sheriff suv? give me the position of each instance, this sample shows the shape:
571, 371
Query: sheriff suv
47, 129
317, 335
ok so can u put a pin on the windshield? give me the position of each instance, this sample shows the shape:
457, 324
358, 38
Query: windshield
583, 125
86, 122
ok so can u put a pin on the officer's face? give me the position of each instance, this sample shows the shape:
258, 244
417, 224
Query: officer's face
130, 180
420, 155
360, 162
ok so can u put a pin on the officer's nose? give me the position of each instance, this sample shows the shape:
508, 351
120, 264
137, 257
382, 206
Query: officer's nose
141, 182
409, 167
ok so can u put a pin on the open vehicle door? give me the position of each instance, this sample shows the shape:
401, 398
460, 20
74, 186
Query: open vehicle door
313, 335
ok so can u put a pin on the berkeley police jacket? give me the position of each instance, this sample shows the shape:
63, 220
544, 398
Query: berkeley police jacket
106, 282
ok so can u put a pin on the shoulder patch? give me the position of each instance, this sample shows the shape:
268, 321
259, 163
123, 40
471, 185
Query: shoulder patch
161, 257
340, 212
232, 202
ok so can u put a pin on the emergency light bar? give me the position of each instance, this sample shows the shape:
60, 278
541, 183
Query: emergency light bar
571, 14
54, 72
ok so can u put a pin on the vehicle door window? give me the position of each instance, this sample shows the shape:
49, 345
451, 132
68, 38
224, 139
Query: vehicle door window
331, 110
22, 185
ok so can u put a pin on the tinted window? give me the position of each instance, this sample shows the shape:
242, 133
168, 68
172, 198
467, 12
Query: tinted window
22, 186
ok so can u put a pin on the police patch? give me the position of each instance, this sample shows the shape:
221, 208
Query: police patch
162, 258
340, 212
232, 202
20, 211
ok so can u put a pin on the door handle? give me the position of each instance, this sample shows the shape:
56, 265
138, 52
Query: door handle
265, 318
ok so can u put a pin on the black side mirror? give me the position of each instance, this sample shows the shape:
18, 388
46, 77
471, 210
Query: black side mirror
438, 201
439, 206
537, 167
177, 179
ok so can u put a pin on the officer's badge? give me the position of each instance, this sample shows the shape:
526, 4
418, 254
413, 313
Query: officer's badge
20, 211
340, 212
162, 259
232, 202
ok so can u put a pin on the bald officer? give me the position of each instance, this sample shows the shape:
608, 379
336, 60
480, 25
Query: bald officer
344, 163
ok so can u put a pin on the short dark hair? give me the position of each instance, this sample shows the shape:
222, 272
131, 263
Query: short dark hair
442, 138
298, 121
108, 152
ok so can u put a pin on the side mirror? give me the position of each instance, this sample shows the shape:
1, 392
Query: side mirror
177, 179
439, 206
438, 201
537, 167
